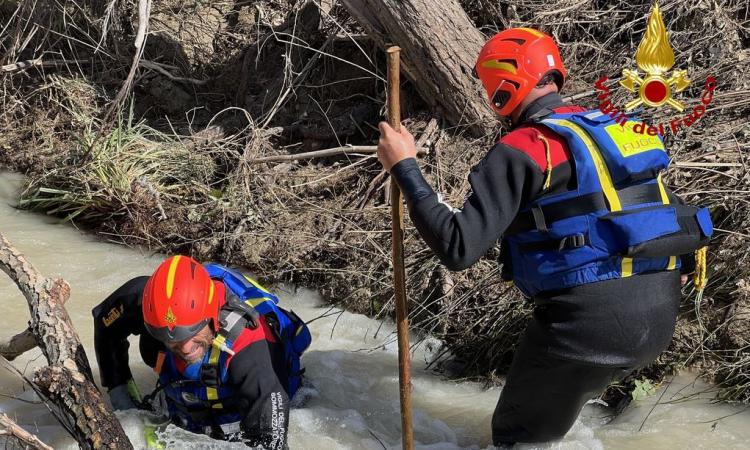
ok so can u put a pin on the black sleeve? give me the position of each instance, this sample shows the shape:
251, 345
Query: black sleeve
501, 184
261, 396
116, 318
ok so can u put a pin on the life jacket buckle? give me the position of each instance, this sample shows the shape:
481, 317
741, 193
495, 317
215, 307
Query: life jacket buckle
573, 241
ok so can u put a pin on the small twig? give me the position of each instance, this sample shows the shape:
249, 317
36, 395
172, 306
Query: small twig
160, 68
345, 150
38, 62
22, 435
696, 164
296, 82
658, 401
579, 96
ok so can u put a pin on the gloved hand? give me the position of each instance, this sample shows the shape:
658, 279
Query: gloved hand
124, 396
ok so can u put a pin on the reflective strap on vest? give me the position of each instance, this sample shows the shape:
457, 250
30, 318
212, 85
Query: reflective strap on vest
585, 204
212, 393
159, 362
672, 264
605, 179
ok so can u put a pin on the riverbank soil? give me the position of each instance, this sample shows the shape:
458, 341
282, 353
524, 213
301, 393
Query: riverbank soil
172, 165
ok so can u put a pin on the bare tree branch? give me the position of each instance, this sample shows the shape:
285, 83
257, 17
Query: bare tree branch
19, 344
15, 430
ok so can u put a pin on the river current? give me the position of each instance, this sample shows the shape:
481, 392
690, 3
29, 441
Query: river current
351, 397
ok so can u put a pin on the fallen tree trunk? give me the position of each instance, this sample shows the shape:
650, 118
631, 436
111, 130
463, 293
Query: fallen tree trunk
67, 381
439, 45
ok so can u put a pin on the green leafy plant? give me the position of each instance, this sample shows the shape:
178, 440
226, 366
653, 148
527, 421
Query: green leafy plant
643, 388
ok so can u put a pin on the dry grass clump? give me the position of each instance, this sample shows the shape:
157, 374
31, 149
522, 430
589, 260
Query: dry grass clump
119, 169
177, 171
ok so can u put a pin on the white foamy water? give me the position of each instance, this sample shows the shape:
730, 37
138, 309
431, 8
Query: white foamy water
351, 398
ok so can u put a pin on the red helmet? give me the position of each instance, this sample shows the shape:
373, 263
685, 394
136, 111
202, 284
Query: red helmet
180, 299
512, 62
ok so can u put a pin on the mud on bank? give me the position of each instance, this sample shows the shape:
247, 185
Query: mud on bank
226, 82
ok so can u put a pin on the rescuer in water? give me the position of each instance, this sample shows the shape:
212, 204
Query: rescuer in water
227, 356
588, 231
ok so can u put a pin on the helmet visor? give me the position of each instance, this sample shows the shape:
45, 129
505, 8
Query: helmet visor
176, 334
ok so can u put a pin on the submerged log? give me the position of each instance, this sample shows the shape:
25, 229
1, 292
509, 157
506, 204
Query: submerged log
67, 382
439, 45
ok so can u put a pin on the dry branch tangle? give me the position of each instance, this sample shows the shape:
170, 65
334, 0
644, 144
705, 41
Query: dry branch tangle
68, 380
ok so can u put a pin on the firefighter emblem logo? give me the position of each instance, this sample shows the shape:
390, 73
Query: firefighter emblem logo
655, 57
169, 317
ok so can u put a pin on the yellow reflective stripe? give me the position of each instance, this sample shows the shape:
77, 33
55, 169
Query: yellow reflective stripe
217, 406
219, 340
211, 292
255, 301
256, 284
662, 191
605, 179
170, 275
499, 65
627, 267
532, 31
211, 392
672, 264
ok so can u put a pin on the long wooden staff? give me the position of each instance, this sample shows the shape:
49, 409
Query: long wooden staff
399, 277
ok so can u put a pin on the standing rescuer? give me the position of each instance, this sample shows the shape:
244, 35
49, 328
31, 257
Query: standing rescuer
588, 231
228, 358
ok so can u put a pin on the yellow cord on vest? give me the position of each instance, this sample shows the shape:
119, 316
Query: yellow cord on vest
700, 277
548, 170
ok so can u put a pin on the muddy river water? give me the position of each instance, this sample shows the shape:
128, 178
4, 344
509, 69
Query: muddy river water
351, 397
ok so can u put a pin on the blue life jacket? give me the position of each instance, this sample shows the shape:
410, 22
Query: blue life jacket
197, 397
291, 330
617, 222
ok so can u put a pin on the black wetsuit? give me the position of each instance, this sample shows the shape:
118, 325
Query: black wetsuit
580, 338
255, 371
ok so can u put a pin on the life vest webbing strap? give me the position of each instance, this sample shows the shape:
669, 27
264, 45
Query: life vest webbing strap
585, 204
672, 263
160, 357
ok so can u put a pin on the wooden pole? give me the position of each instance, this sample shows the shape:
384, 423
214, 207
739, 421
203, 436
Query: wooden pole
399, 277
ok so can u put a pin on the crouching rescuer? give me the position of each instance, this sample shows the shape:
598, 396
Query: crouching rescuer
227, 356
588, 231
